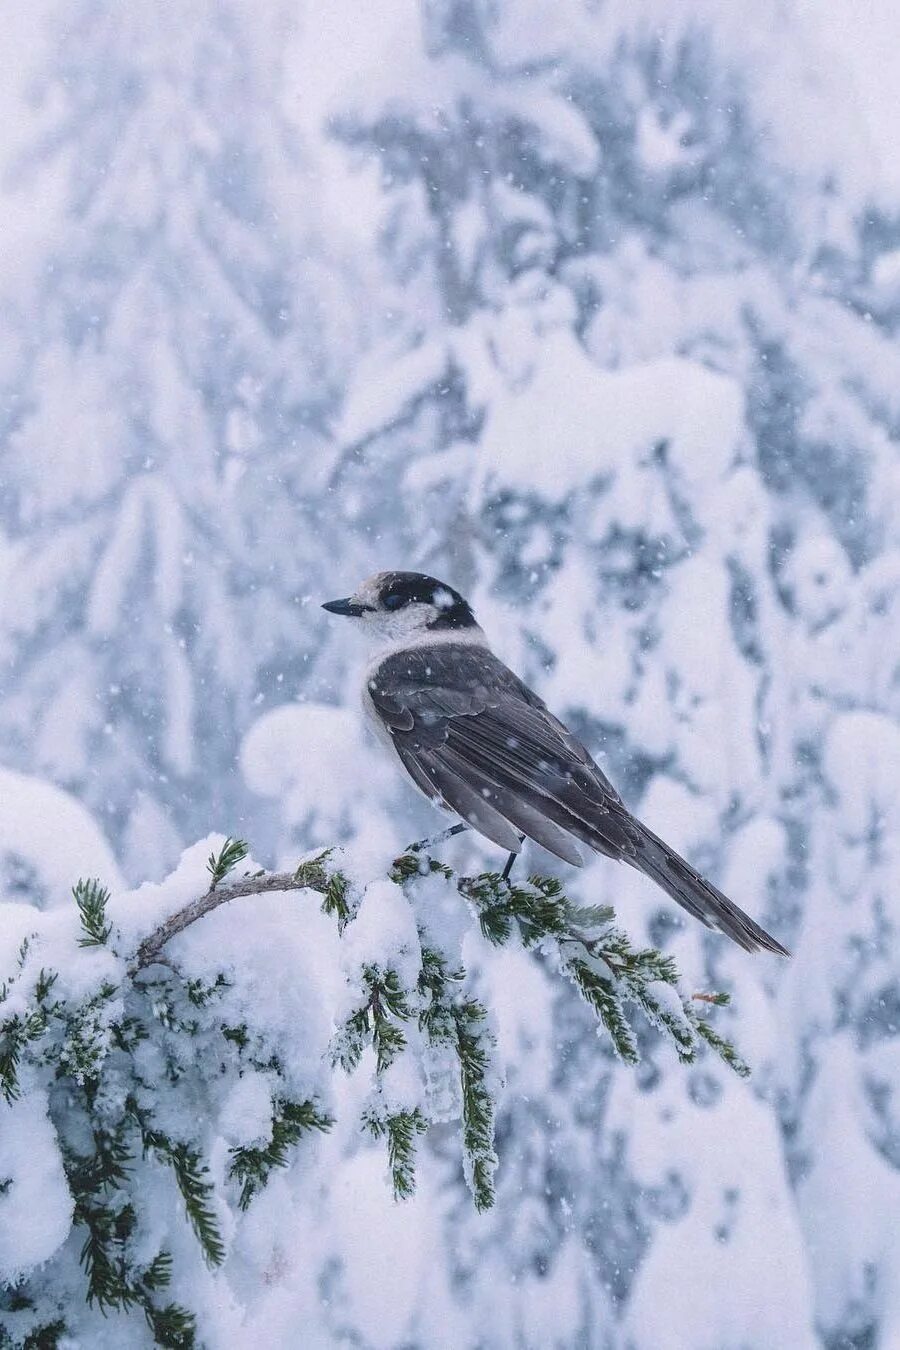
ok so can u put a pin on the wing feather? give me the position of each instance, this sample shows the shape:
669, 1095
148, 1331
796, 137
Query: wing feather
440, 783
475, 738
527, 816
476, 729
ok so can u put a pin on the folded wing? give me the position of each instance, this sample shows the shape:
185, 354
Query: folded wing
476, 739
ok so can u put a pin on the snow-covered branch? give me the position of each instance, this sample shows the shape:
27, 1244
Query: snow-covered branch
131, 1079
309, 876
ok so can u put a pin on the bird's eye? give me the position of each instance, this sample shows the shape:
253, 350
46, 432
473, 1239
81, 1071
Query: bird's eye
394, 602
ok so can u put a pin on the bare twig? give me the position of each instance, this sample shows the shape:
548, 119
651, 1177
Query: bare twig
308, 877
441, 838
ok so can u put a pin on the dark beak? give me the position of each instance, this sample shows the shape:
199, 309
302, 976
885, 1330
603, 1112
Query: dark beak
351, 608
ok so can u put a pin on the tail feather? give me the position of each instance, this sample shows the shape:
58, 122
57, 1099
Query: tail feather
698, 896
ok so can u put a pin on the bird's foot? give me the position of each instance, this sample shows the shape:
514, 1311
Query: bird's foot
504, 875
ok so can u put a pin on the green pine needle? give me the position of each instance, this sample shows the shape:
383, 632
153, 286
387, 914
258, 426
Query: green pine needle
411, 865
11, 1045
376, 1021
46, 1337
172, 1327
402, 1129
252, 1166
17, 1033
600, 993
472, 1048
191, 1176
232, 852
334, 900
723, 1048
158, 1274
91, 898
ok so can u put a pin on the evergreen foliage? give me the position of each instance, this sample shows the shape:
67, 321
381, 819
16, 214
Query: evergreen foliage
607, 970
129, 1055
628, 293
163, 404
251, 1166
226, 860
401, 1129
91, 898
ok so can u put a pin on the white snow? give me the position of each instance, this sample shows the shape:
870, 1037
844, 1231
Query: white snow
383, 933
385, 387
389, 1250
592, 311
282, 755
610, 417
35, 1204
246, 1115
52, 834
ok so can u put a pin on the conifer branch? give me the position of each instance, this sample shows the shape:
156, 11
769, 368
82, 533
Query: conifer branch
91, 898
308, 877
401, 1129
226, 860
472, 1047
252, 1166
96, 1046
599, 958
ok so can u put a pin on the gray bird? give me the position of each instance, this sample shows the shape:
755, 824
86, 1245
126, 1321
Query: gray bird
480, 743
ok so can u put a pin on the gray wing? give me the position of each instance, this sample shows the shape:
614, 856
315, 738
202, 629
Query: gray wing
475, 738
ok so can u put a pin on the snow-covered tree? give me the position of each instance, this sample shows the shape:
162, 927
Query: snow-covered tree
164, 419
159, 1118
593, 310
47, 837
646, 366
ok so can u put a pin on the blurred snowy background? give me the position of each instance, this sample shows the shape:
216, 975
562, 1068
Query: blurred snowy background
591, 307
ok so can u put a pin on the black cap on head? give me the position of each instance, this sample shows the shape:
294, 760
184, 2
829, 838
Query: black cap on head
398, 589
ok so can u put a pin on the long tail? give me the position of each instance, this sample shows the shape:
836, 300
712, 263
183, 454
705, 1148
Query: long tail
695, 894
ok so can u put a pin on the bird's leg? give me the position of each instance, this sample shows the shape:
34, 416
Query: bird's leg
504, 875
438, 838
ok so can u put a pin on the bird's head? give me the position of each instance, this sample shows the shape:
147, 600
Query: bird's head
391, 606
